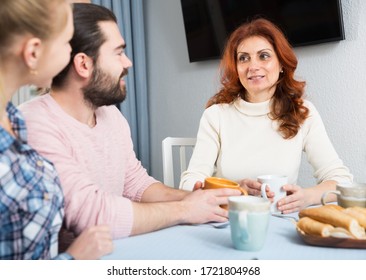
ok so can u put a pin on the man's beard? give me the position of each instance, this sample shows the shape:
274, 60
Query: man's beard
103, 89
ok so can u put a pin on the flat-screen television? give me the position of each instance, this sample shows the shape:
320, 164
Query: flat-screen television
208, 23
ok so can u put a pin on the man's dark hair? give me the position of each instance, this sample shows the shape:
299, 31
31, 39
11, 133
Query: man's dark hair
88, 37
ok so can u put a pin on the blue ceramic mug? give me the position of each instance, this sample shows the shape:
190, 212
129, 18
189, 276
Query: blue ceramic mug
249, 218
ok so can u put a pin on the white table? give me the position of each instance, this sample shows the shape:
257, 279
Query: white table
205, 242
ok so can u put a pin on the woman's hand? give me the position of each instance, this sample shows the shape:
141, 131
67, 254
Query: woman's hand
92, 243
254, 188
198, 185
294, 201
298, 198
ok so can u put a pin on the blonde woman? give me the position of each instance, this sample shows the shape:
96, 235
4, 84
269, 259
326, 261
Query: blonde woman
34, 47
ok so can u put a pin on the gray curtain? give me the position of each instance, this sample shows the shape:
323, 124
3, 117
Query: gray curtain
130, 19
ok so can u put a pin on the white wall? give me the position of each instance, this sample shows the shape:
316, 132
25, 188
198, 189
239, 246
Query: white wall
335, 75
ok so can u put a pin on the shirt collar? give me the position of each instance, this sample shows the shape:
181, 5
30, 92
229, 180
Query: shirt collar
18, 125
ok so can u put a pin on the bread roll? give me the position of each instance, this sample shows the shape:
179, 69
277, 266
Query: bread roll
334, 217
334, 206
358, 214
359, 209
313, 227
341, 233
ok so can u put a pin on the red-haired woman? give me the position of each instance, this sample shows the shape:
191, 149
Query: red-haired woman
258, 123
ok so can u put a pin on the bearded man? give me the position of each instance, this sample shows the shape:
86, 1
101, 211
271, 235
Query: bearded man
78, 128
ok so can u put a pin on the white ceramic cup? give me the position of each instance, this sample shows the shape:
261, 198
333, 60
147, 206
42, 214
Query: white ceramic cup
249, 217
275, 183
348, 195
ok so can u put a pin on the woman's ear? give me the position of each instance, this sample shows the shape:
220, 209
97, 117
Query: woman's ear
83, 65
32, 52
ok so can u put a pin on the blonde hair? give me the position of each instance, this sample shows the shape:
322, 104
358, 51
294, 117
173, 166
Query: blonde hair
41, 18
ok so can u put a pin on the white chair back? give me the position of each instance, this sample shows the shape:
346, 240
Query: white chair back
185, 146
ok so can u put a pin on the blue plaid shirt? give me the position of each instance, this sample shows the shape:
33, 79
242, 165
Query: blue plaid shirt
31, 199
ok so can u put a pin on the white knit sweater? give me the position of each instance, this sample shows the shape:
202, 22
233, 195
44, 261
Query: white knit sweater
239, 140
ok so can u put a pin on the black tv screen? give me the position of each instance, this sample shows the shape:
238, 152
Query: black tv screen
208, 23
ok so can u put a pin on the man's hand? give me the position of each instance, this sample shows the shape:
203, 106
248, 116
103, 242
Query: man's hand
202, 206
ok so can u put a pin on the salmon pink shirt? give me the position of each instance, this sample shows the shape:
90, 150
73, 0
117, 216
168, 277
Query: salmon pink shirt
99, 172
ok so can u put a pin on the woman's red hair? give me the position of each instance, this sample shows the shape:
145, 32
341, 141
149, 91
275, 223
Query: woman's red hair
287, 106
